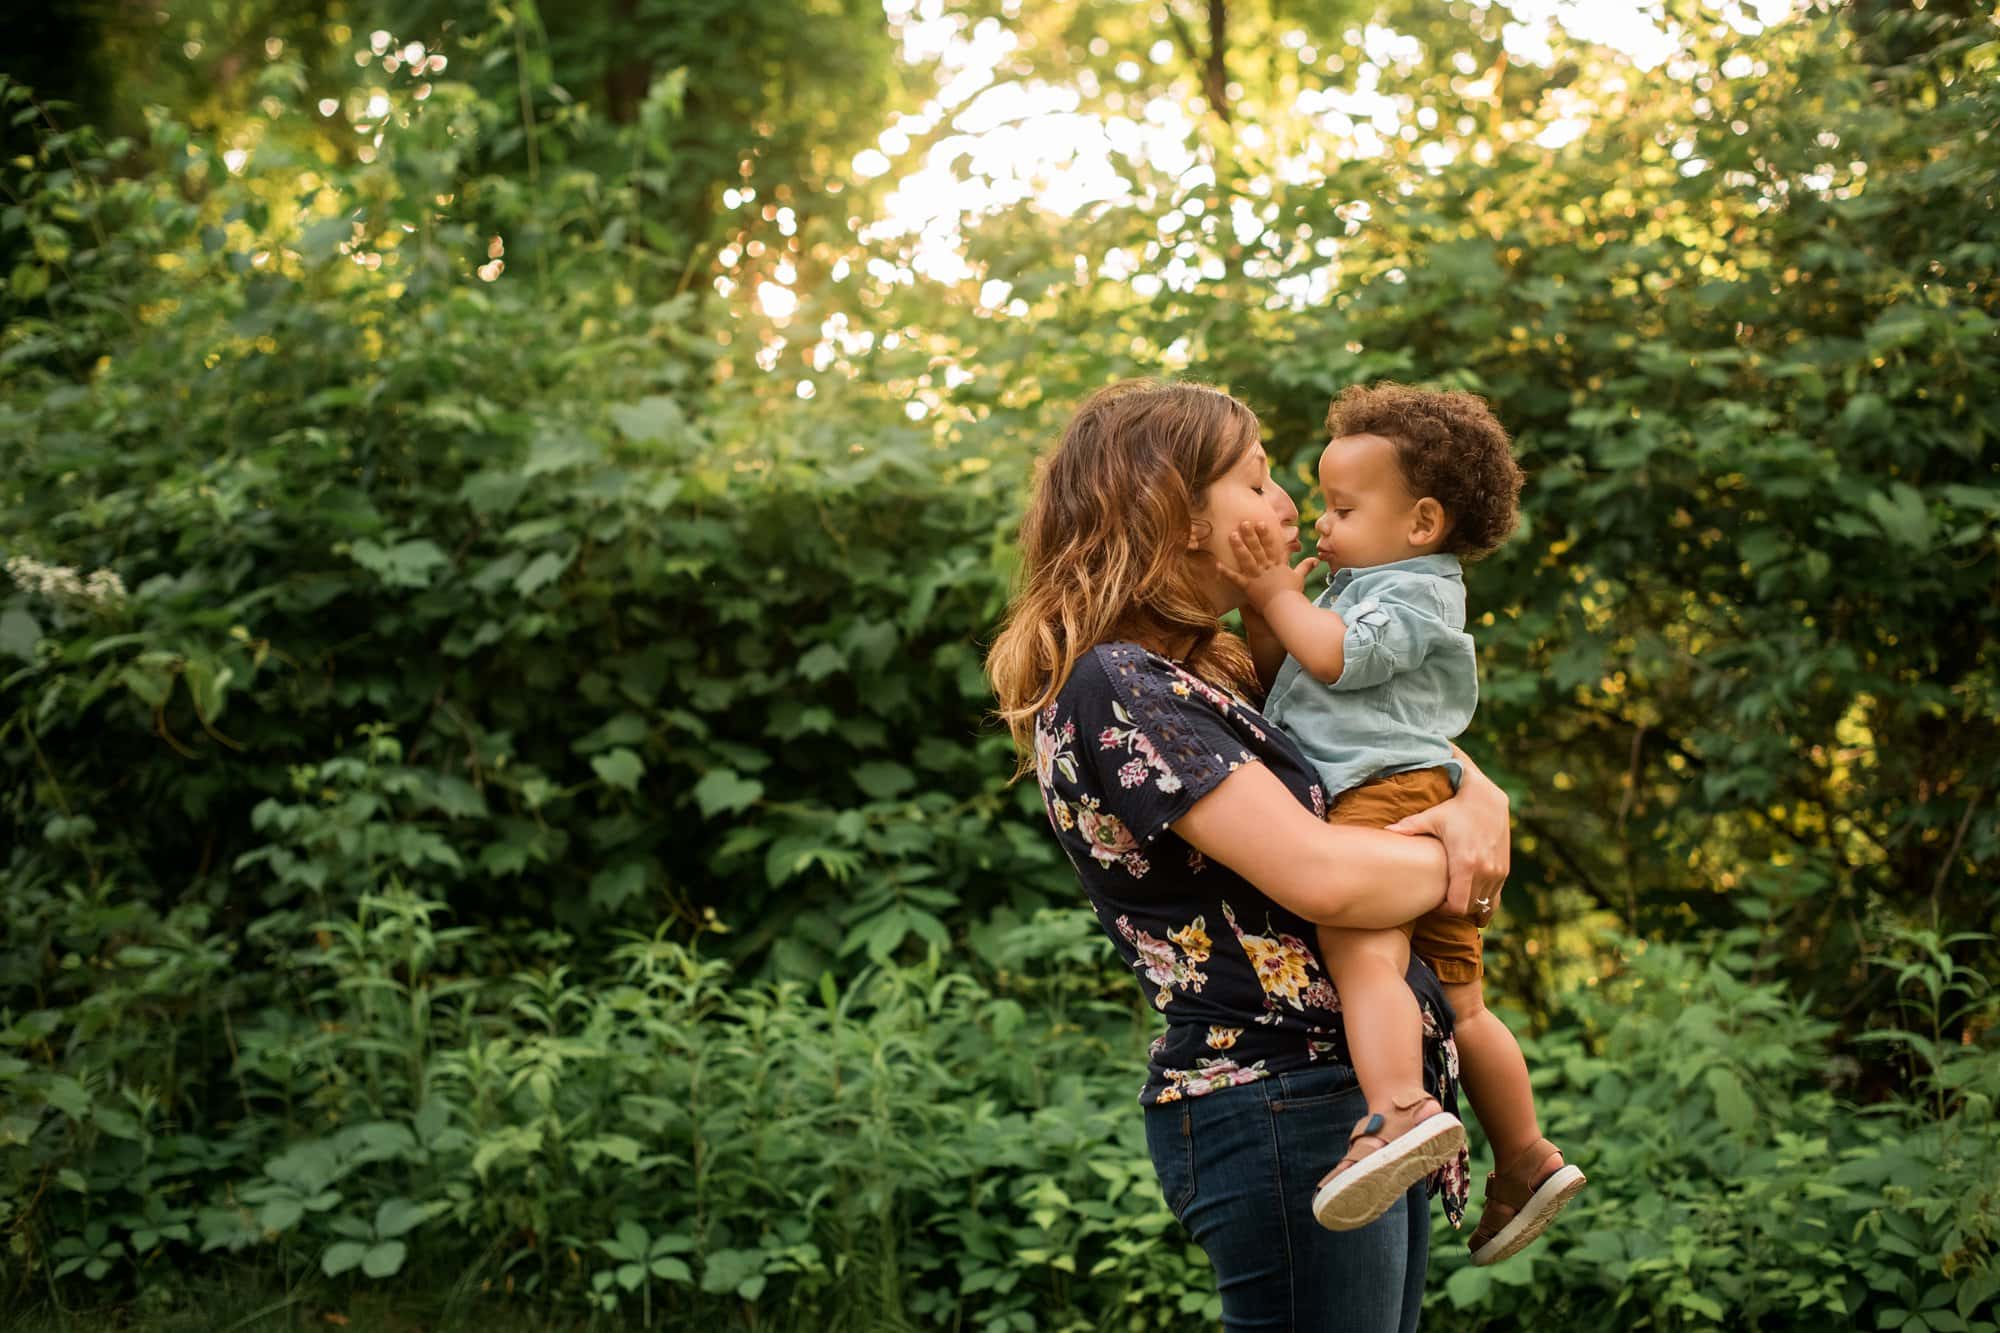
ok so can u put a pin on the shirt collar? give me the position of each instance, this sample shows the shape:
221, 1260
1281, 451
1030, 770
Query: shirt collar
1436, 566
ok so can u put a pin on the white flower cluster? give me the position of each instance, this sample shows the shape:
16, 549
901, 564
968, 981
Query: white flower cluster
32, 576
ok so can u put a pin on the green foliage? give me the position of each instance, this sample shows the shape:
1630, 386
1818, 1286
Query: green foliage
492, 740
1732, 1184
1737, 661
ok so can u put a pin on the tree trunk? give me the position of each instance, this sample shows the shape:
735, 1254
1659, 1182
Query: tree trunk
629, 75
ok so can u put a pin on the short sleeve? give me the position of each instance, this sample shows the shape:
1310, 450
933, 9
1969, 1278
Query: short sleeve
1388, 633
1159, 739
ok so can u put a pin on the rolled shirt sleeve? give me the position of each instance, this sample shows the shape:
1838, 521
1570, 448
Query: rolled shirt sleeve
1389, 631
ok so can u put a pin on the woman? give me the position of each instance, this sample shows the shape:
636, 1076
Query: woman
1196, 829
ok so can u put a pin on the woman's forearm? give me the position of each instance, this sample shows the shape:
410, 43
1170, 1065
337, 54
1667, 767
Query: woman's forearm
1366, 879
1335, 875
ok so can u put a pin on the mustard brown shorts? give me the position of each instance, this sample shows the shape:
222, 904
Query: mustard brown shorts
1449, 944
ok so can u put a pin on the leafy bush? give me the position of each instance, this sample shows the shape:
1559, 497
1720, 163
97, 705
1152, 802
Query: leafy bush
653, 1132
493, 754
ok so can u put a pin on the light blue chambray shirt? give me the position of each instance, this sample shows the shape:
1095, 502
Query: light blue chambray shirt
1408, 684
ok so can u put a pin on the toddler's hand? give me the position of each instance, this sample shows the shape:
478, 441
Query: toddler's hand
1257, 564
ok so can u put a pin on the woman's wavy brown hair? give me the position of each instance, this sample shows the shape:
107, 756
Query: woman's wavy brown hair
1104, 544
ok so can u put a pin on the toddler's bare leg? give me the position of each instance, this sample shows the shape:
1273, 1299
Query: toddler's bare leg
1495, 1076
1384, 1030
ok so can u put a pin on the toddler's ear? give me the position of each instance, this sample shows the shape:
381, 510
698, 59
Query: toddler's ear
1428, 522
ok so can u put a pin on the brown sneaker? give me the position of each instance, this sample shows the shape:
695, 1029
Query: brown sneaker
1386, 1154
1519, 1205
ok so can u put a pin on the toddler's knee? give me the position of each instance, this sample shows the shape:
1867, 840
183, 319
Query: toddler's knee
1467, 1002
1372, 949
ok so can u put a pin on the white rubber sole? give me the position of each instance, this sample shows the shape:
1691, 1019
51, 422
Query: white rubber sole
1366, 1190
1549, 1198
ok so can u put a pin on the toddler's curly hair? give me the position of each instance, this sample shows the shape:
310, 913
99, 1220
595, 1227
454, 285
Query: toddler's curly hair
1450, 447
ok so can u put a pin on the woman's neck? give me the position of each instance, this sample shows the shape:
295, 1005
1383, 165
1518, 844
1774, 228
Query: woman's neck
1174, 647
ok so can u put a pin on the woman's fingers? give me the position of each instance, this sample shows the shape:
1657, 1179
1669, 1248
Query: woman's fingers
1476, 863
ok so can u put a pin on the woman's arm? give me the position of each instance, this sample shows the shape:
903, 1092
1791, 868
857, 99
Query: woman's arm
1332, 874
1474, 827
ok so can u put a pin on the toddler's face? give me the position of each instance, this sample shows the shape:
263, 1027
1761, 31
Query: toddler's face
1370, 516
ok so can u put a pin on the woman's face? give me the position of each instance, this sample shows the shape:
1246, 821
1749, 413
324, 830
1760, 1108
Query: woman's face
1245, 492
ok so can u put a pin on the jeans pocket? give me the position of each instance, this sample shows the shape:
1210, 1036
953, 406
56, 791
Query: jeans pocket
1170, 1143
1317, 1092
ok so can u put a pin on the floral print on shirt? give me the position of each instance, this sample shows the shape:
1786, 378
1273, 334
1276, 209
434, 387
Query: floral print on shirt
1284, 967
1165, 966
1145, 761
1111, 843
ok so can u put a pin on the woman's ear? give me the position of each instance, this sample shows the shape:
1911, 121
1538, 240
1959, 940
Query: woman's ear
1428, 522
1197, 534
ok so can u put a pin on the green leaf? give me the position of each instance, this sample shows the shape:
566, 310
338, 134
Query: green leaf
727, 1269
397, 1217
543, 570
559, 453
619, 768
149, 681
455, 798
1903, 516
821, 661
409, 564
19, 633
493, 493
1469, 1287
883, 780
208, 686
612, 888
281, 1214
1732, 1104
650, 420
725, 791
341, 1256
383, 1260
28, 281
624, 729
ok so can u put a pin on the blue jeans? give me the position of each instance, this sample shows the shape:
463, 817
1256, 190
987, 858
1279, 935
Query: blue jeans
1239, 1166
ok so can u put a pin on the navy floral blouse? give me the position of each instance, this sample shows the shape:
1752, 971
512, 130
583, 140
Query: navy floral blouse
1128, 746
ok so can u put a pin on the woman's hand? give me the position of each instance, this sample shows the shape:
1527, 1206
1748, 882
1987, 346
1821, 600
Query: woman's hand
1474, 827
